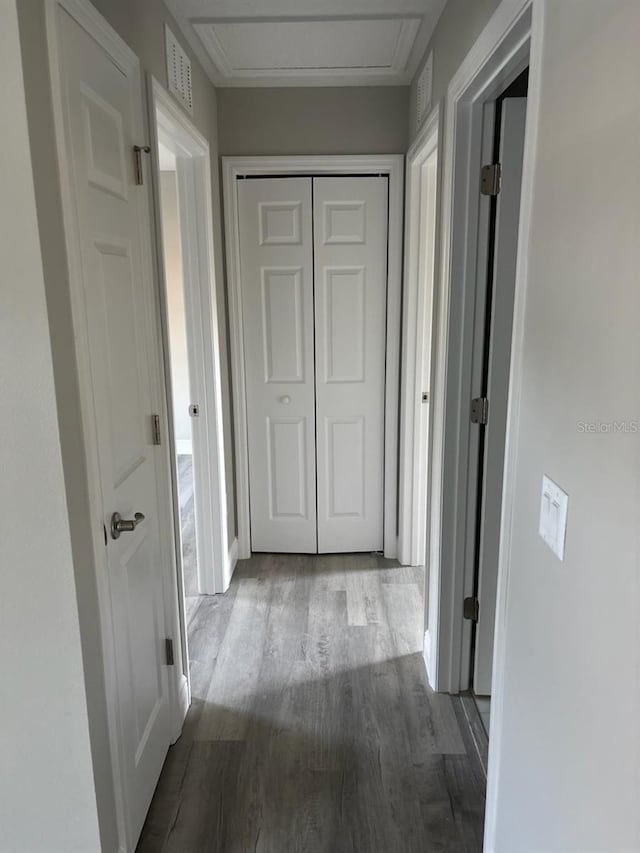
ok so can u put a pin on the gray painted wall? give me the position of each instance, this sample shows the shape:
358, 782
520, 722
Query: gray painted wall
567, 773
337, 120
47, 797
568, 770
460, 23
52, 244
140, 24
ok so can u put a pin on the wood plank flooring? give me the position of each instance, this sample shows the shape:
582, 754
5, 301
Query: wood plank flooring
312, 727
187, 524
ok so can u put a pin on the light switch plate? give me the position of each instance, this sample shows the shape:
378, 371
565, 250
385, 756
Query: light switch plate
553, 516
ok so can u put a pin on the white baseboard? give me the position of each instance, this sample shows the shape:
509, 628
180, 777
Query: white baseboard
428, 662
391, 549
184, 447
184, 700
231, 562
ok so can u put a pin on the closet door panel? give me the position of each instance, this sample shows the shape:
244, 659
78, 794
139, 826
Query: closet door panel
350, 272
276, 251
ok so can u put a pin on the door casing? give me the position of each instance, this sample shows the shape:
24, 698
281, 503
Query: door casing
422, 195
390, 165
167, 119
512, 39
501, 53
494, 355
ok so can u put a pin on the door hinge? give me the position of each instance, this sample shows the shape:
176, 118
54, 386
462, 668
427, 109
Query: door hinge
471, 609
425, 396
480, 410
168, 651
194, 410
155, 429
138, 151
490, 177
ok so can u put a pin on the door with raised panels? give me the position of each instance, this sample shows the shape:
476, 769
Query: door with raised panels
103, 112
313, 256
350, 274
276, 253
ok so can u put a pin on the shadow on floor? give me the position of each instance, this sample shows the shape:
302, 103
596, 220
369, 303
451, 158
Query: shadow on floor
312, 726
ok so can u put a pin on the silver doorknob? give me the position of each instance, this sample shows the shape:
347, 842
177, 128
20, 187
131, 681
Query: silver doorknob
124, 525
285, 400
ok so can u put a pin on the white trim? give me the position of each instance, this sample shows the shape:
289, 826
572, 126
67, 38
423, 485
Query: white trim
391, 165
374, 7
413, 459
232, 558
196, 217
183, 702
102, 33
513, 417
88, 17
184, 446
427, 655
182, 679
514, 33
498, 55
395, 72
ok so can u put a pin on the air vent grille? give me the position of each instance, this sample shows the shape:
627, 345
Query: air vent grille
424, 91
178, 71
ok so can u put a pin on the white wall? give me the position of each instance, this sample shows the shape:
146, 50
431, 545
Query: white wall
568, 772
47, 796
175, 306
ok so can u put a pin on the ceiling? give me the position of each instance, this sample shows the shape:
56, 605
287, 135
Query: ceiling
308, 42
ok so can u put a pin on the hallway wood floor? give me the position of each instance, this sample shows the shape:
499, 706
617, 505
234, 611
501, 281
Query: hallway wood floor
188, 525
312, 727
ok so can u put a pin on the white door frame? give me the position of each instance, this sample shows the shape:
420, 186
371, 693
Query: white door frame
420, 264
193, 168
390, 165
99, 29
511, 40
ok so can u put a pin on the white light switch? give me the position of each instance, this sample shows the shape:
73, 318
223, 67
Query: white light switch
553, 516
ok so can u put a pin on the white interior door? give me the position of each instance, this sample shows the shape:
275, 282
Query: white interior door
505, 255
350, 271
276, 254
103, 112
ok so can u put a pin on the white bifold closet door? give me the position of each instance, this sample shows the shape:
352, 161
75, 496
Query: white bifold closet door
314, 284
276, 252
350, 274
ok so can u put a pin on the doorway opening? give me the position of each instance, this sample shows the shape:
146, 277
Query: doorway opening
184, 231
314, 287
510, 43
236, 171
504, 124
420, 252
180, 382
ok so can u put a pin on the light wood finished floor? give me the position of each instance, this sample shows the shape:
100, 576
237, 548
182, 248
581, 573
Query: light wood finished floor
312, 727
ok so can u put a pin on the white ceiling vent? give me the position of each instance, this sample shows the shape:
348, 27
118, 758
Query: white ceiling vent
424, 91
178, 71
